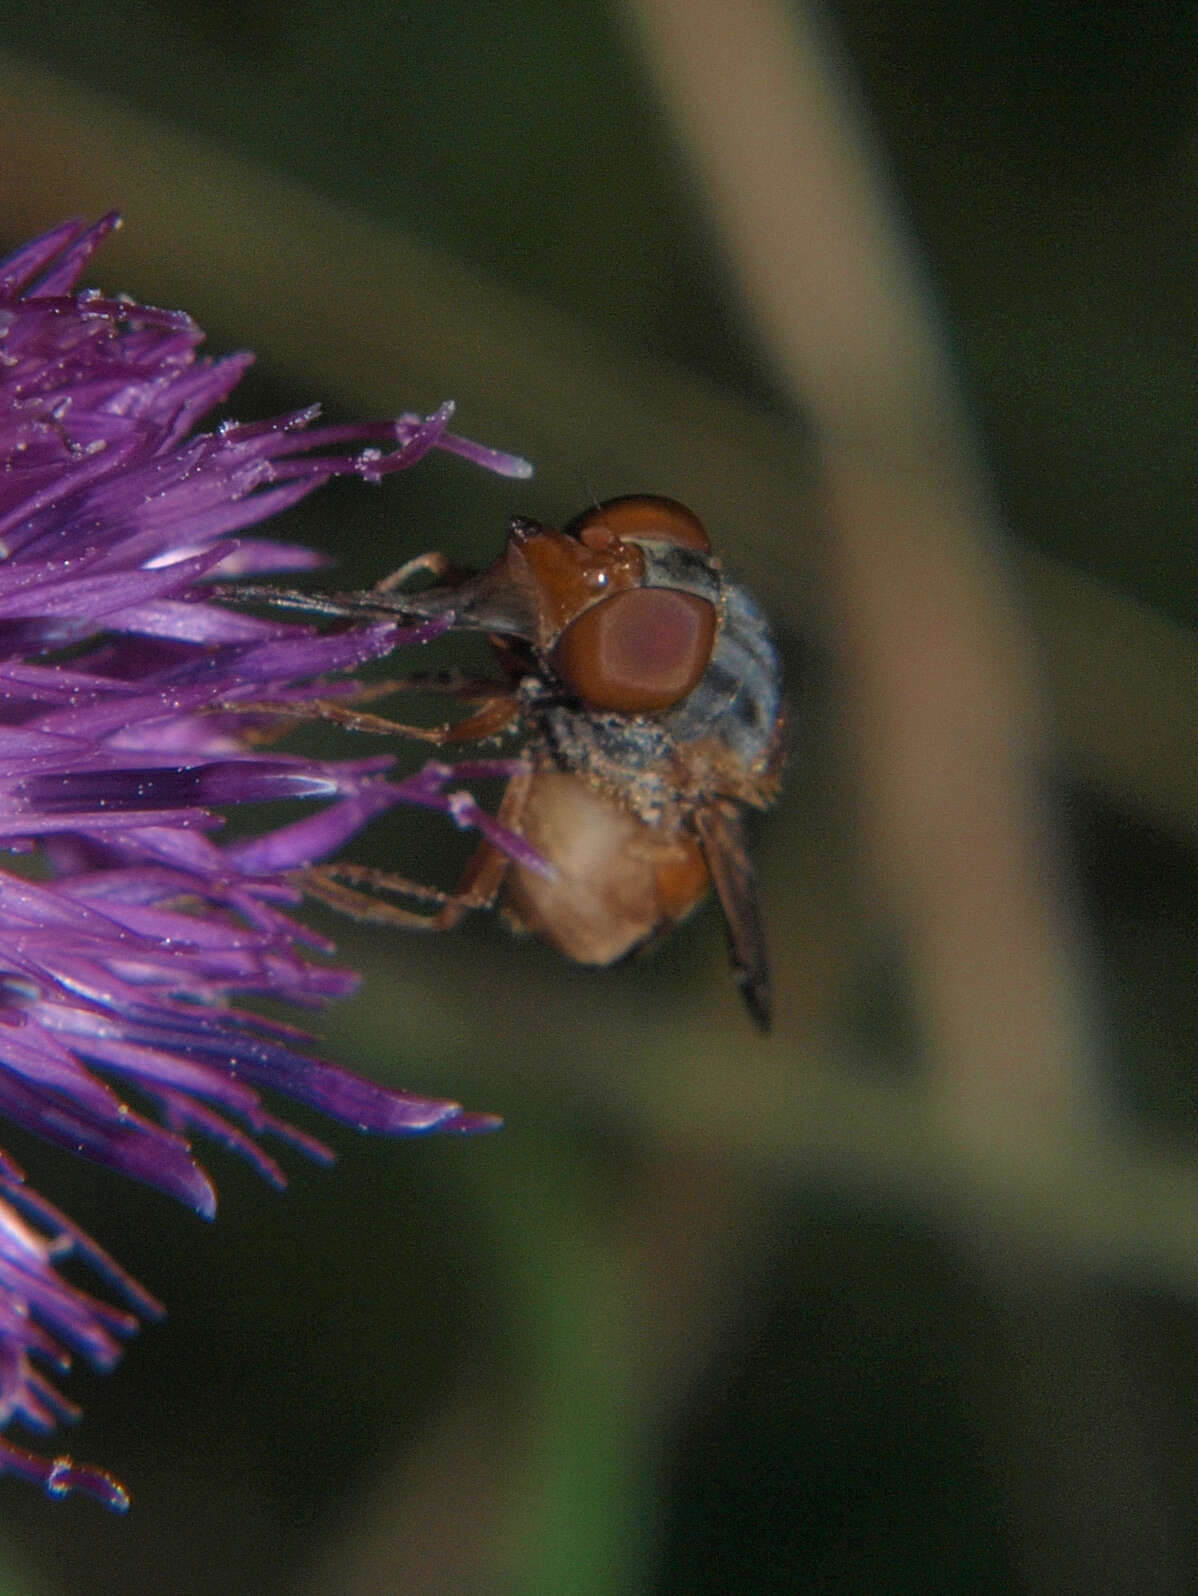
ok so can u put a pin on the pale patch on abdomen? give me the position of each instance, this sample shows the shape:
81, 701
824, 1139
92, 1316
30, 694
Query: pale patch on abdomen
619, 880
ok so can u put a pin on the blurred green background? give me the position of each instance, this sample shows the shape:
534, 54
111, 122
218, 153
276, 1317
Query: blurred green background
698, 1320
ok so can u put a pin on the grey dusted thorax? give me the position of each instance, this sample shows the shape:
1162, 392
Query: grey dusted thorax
731, 719
685, 570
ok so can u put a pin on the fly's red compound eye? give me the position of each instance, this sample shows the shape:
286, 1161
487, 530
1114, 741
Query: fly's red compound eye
643, 650
638, 652
641, 515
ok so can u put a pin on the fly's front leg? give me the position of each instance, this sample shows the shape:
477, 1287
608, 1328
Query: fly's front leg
431, 564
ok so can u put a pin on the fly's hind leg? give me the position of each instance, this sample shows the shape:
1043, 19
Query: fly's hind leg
351, 888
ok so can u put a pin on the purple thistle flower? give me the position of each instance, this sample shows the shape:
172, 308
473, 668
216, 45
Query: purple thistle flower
128, 931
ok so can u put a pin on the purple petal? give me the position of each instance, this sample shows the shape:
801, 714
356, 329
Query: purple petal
60, 1476
129, 710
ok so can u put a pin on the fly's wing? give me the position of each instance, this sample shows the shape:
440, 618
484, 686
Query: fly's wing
332, 606
489, 602
735, 880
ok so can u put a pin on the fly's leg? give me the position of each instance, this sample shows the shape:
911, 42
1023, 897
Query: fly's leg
499, 712
449, 683
351, 888
431, 564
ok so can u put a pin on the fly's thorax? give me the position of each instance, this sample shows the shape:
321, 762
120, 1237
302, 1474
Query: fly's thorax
738, 702
724, 739
631, 758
